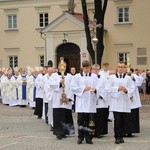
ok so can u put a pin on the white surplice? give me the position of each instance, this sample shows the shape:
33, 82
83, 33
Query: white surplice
6, 89
136, 102
54, 83
121, 102
85, 100
14, 91
30, 90
102, 94
48, 96
39, 86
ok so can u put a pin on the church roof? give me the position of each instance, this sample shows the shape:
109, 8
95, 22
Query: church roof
78, 16
75, 18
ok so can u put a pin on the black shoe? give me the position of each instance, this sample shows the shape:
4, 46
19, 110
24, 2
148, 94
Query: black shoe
121, 140
51, 129
117, 141
89, 142
130, 135
99, 136
64, 136
59, 137
79, 141
39, 117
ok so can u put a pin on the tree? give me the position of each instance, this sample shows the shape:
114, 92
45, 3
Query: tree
100, 9
87, 30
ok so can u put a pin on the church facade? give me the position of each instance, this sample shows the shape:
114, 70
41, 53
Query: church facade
34, 32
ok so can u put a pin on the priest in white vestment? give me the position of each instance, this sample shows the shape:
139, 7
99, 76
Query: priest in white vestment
14, 101
1, 87
1, 74
6, 86
22, 88
31, 89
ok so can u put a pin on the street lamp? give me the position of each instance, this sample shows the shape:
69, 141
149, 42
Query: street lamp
95, 41
65, 40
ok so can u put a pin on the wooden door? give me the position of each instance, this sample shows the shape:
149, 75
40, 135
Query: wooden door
71, 54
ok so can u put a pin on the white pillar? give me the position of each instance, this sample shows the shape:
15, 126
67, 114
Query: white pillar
50, 49
83, 47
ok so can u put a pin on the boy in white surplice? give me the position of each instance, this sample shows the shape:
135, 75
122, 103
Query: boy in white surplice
120, 88
83, 86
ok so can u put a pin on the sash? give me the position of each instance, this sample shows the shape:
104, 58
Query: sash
34, 93
34, 90
24, 90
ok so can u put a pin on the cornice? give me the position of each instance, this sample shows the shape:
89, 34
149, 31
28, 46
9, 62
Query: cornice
122, 1
52, 2
9, 4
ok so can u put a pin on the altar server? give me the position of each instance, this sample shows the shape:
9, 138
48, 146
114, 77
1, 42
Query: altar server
83, 86
102, 110
62, 105
133, 119
48, 97
120, 88
39, 94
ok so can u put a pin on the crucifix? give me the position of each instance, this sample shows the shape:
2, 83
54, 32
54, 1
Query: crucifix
94, 26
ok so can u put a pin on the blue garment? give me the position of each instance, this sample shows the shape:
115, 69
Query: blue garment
24, 87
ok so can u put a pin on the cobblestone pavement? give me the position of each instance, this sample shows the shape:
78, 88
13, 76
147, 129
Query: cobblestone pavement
20, 130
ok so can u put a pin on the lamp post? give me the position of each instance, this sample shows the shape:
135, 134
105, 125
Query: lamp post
95, 41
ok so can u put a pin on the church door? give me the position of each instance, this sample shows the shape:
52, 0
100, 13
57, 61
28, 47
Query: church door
71, 54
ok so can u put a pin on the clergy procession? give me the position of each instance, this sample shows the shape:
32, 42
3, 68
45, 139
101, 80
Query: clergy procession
97, 95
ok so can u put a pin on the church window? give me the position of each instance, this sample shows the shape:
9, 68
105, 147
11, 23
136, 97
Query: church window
41, 60
141, 56
12, 21
123, 57
123, 15
13, 61
43, 20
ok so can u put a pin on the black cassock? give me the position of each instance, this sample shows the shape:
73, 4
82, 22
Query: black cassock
63, 122
132, 122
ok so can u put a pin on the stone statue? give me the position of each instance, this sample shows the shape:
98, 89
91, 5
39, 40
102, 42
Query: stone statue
71, 6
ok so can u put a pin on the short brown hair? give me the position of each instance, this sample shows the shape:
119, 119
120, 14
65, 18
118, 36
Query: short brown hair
86, 63
105, 64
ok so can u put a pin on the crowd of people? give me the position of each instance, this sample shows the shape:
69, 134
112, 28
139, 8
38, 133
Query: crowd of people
96, 94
